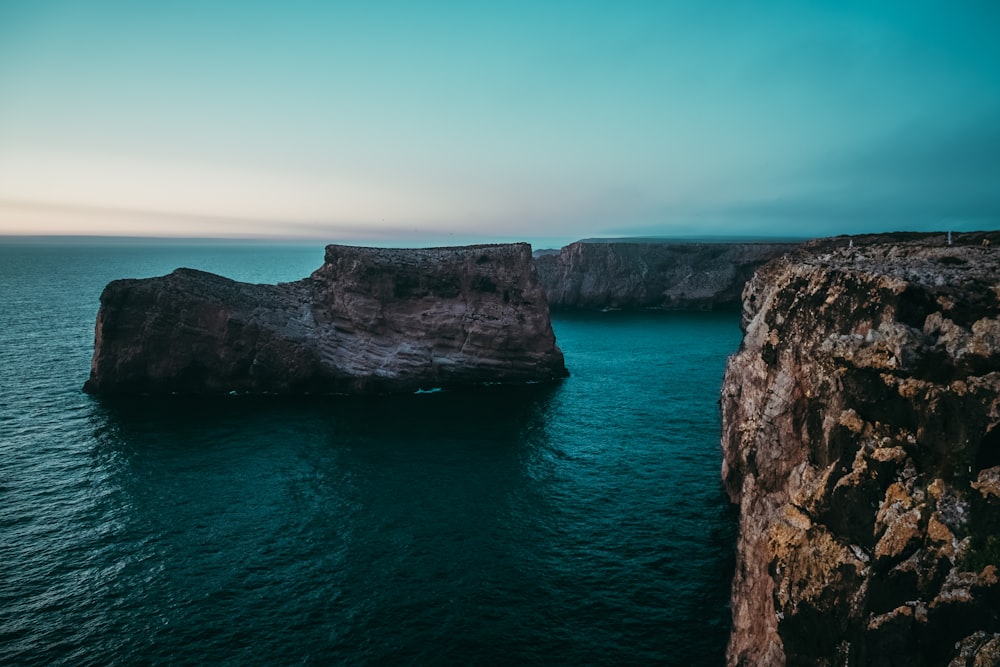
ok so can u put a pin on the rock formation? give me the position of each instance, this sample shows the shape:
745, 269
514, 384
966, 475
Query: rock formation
861, 439
651, 274
369, 320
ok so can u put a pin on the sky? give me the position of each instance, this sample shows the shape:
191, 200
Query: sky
490, 121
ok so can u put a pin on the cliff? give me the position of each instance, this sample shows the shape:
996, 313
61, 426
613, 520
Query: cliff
651, 274
369, 320
861, 439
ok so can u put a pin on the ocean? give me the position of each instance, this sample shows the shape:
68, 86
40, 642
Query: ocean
575, 523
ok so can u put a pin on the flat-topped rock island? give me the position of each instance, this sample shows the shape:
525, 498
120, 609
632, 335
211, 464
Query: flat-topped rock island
368, 321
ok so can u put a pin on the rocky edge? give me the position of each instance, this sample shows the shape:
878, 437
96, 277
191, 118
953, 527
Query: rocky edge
861, 441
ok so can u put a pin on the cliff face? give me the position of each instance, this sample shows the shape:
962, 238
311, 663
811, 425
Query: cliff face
861, 439
369, 320
669, 276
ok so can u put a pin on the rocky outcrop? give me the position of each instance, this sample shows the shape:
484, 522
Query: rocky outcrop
370, 320
651, 274
861, 439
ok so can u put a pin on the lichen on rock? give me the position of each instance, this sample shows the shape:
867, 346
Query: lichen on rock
861, 439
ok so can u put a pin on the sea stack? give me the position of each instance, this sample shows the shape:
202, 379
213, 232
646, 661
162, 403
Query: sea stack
861, 439
368, 321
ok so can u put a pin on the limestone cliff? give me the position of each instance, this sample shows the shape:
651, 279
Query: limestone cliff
861, 439
651, 274
369, 320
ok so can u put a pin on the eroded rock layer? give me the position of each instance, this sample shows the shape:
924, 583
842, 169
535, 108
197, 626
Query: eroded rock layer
651, 274
861, 438
370, 320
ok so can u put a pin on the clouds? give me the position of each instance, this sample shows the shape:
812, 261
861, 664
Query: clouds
924, 177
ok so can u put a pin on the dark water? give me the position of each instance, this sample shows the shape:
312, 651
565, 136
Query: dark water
579, 523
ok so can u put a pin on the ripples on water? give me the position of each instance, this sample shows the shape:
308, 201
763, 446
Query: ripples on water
577, 523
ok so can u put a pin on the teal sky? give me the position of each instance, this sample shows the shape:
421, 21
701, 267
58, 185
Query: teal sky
549, 121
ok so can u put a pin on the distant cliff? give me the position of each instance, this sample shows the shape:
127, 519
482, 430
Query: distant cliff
651, 274
369, 320
861, 439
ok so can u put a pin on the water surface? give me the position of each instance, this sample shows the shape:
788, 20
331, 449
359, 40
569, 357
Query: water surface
576, 523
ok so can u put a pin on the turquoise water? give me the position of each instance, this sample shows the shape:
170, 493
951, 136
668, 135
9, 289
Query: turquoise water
576, 523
